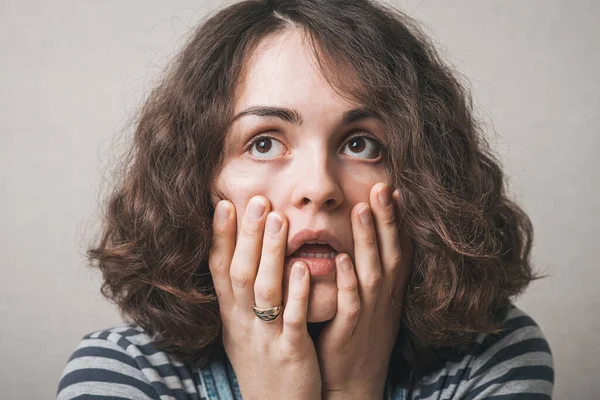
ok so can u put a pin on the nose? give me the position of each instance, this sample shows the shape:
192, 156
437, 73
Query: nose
316, 184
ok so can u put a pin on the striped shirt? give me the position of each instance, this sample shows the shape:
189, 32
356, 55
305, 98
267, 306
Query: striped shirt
123, 363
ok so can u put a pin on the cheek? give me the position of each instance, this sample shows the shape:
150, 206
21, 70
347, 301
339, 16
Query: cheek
238, 182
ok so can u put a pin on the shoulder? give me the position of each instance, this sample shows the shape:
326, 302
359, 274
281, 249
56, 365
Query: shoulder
516, 363
123, 362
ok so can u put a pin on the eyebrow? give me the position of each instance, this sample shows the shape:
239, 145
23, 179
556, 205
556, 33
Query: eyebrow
292, 116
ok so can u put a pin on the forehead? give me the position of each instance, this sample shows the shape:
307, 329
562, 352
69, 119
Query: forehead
283, 71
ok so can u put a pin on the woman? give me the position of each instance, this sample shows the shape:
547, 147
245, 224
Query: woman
310, 211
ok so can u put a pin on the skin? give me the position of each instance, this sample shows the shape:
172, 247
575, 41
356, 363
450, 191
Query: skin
309, 177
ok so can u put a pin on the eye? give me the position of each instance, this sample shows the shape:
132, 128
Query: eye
361, 145
364, 145
264, 144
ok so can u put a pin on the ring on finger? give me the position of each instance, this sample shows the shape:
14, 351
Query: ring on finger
268, 314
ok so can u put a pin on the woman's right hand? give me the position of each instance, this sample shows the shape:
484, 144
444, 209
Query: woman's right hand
272, 360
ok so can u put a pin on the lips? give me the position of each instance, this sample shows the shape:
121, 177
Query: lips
307, 235
319, 268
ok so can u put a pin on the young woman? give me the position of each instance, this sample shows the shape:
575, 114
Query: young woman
310, 211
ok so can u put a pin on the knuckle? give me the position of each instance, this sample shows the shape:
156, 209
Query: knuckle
288, 351
370, 241
389, 220
268, 294
395, 258
351, 286
219, 294
294, 322
298, 295
249, 232
353, 310
374, 281
216, 261
239, 277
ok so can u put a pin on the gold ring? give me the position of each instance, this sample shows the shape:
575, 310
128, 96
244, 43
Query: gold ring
268, 314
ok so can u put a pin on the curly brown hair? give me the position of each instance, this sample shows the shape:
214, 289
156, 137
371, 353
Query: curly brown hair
472, 244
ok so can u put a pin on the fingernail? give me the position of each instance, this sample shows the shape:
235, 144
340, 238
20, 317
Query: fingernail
273, 223
257, 208
345, 262
298, 272
222, 210
384, 196
365, 216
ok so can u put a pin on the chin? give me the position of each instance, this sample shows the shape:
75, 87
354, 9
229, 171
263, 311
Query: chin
322, 301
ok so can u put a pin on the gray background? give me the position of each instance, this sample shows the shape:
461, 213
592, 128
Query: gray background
73, 72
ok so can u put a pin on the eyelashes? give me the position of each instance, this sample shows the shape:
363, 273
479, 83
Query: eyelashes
372, 145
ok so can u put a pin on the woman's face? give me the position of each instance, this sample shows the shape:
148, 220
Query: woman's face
312, 168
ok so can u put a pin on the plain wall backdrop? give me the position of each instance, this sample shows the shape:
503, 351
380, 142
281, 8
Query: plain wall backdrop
73, 72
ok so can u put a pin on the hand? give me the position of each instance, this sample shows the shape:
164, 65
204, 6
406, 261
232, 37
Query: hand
272, 360
354, 348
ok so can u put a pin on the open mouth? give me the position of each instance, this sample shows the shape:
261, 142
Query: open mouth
315, 251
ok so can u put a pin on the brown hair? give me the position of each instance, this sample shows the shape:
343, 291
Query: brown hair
472, 243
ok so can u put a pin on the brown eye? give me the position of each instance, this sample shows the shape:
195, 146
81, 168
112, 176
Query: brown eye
364, 145
264, 145
357, 144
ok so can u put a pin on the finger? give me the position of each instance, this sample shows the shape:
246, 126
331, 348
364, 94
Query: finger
296, 308
221, 252
247, 252
366, 255
386, 225
348, 309
268, 284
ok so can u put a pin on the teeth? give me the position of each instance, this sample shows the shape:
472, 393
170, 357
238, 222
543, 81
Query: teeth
315, 255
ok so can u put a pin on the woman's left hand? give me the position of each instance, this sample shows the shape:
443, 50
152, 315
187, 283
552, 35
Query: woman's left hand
354, 348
